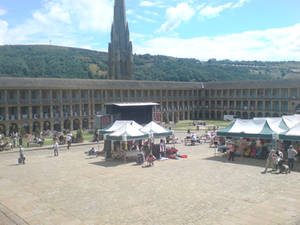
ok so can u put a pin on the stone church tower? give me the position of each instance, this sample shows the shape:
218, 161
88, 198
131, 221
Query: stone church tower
120, 48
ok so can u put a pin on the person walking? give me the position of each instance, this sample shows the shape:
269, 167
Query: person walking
55, 148
270, 160
291, 156
22, 155
69, 141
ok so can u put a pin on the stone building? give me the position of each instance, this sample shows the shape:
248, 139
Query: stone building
120, 49
57, 104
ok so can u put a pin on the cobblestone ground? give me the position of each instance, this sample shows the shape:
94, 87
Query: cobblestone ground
202, 189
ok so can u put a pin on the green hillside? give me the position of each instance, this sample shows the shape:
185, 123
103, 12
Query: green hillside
65, 62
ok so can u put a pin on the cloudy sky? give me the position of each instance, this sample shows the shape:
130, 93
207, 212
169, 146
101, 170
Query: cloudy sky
203, 29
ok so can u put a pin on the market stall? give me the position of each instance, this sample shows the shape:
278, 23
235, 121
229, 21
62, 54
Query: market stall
120, 137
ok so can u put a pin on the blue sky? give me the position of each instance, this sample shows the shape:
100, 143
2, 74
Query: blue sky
203, 29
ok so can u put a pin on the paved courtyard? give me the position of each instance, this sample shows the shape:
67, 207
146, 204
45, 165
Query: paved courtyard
202, 189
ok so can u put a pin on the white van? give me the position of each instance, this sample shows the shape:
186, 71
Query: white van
229, 117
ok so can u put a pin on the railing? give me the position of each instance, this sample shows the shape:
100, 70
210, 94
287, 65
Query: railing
24, 101
2, 101
46, 100
76, 100
35, 101
56, 100
66, 100
11, 101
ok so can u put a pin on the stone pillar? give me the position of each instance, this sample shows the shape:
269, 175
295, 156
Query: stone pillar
51, 111
41, 111
30, 112
19, 116
71, 110
71, 124
6, 113
51, 124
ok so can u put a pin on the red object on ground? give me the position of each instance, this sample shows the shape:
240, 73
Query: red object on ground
184, 156
172, 157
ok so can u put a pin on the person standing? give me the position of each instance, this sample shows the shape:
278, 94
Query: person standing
20, 140
291, 156
69, 141
270, 160
231, 152
55, 148
162, 148
22, 155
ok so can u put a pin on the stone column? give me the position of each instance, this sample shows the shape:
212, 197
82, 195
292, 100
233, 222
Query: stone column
30, 112
71, 111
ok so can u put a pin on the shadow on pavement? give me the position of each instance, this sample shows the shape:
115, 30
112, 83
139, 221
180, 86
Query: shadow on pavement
247, 161
112, 163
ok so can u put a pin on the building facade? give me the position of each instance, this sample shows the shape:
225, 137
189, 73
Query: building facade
35, 104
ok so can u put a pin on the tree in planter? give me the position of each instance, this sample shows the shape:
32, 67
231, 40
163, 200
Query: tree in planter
79, 136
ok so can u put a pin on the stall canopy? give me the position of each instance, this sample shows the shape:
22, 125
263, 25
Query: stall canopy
277, 124
118, 124
291, 120
247, 129
127, 132
292, 135
157, 130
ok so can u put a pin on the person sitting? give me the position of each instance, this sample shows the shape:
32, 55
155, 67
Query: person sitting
150, 159
92, 151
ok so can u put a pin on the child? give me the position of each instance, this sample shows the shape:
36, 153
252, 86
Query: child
150, 159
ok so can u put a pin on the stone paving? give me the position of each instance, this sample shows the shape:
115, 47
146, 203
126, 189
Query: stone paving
203, 189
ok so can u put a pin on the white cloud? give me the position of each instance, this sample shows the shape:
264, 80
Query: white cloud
61, 21
272, 44
3, 30
147, 19
211, 12
240, 3
147, 3
2, 12
175, 16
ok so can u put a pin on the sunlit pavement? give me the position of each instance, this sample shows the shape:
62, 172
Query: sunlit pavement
74, 188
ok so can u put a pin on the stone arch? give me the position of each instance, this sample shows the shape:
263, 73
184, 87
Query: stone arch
275, 115
170, 116
192, 116
36, 127
219, 115
26, 128
165, 117
181, 115
252, 115
238, 114
260, 114
67, 124
231, 113
13, 128
2, 129
76, 124
57, 125
206, 114
212, 115
245, 115
297, 109
267, 114
47, 125
85, 123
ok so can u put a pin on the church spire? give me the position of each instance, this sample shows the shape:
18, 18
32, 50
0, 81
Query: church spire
120, 48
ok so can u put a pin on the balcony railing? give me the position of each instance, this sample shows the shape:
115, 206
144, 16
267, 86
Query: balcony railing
2, 101
35, 101
11, 101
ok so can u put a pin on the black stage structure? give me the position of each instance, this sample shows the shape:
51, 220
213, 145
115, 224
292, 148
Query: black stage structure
141, 113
